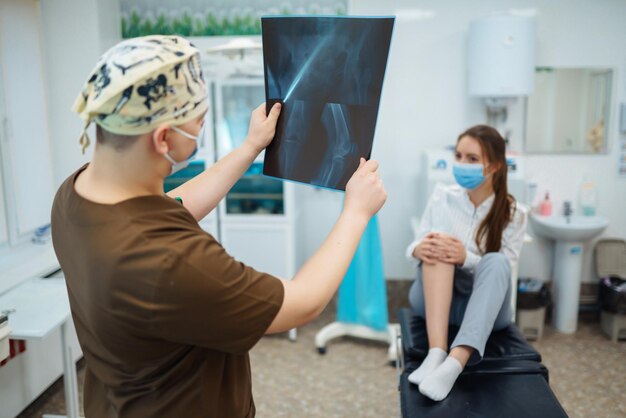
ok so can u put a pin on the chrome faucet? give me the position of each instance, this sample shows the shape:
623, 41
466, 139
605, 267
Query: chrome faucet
567, 210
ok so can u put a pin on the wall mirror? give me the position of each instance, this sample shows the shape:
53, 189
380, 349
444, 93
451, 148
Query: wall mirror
568, 112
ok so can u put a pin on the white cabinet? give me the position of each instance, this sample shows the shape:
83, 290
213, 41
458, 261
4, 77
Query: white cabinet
267, 248
210, 225
257, 223
257, 217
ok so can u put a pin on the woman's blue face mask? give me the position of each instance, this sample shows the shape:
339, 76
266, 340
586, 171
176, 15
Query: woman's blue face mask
469, 176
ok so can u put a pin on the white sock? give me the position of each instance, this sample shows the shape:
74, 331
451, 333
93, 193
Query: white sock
435, 357
438, 384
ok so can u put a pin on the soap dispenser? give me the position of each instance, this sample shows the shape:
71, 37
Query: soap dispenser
545, 208
587, 197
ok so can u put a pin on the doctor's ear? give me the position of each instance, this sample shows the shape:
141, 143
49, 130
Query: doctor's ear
159, 139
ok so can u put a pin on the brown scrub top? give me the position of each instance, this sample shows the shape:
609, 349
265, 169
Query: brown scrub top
164, 316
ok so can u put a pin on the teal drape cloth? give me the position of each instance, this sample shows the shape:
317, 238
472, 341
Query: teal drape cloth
363, 293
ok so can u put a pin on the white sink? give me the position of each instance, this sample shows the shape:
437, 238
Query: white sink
577, 228
570, 236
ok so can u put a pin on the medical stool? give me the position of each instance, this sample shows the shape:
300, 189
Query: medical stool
509, 382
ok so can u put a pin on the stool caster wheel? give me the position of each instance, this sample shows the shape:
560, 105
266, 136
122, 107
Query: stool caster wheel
321, 350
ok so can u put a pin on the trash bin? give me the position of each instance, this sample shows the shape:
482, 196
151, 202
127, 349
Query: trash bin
613, 305
532, 299
613, 294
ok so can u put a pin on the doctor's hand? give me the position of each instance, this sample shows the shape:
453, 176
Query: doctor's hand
365, 192
262, 127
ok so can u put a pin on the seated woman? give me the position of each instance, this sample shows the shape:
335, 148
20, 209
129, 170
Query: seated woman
466, 242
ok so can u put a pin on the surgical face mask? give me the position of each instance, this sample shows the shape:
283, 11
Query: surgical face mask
469, 176
177, 166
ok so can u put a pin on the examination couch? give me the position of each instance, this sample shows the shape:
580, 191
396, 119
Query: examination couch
509, 382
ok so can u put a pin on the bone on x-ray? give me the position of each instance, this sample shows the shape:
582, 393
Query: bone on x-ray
328, 72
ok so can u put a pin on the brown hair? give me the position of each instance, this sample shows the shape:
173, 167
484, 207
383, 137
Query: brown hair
117, 141
502, 210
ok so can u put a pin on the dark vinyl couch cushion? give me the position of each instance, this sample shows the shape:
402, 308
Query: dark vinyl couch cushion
509, 388
505, 344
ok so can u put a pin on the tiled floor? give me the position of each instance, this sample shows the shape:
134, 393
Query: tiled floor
587, 370
290, 379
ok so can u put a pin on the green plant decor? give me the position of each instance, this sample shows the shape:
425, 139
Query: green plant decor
186, 24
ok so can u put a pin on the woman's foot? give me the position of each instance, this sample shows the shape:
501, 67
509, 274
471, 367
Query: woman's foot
438, 384
435, 357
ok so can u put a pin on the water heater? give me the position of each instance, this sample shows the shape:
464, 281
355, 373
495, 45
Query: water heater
501, 54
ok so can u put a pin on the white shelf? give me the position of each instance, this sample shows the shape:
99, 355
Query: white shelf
25, 261
36, 307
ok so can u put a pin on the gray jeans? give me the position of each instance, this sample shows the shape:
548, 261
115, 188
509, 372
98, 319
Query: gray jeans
480, 303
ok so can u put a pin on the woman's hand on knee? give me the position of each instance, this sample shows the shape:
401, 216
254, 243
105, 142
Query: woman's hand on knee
454, 252
429, 250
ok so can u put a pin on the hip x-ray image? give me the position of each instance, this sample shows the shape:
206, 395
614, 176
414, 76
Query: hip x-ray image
328, 73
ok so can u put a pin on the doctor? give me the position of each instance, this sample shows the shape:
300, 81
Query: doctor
165, 317
468, 237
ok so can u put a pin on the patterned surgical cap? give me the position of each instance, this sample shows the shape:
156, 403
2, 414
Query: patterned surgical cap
141, 83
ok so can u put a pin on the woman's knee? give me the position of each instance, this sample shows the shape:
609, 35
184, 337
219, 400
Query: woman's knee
495, 262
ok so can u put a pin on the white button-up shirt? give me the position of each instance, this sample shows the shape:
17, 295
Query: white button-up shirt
450, 210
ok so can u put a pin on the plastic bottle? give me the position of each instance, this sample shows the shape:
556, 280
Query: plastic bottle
545, 209
587, 198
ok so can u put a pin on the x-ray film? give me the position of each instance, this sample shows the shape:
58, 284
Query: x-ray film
328, 72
